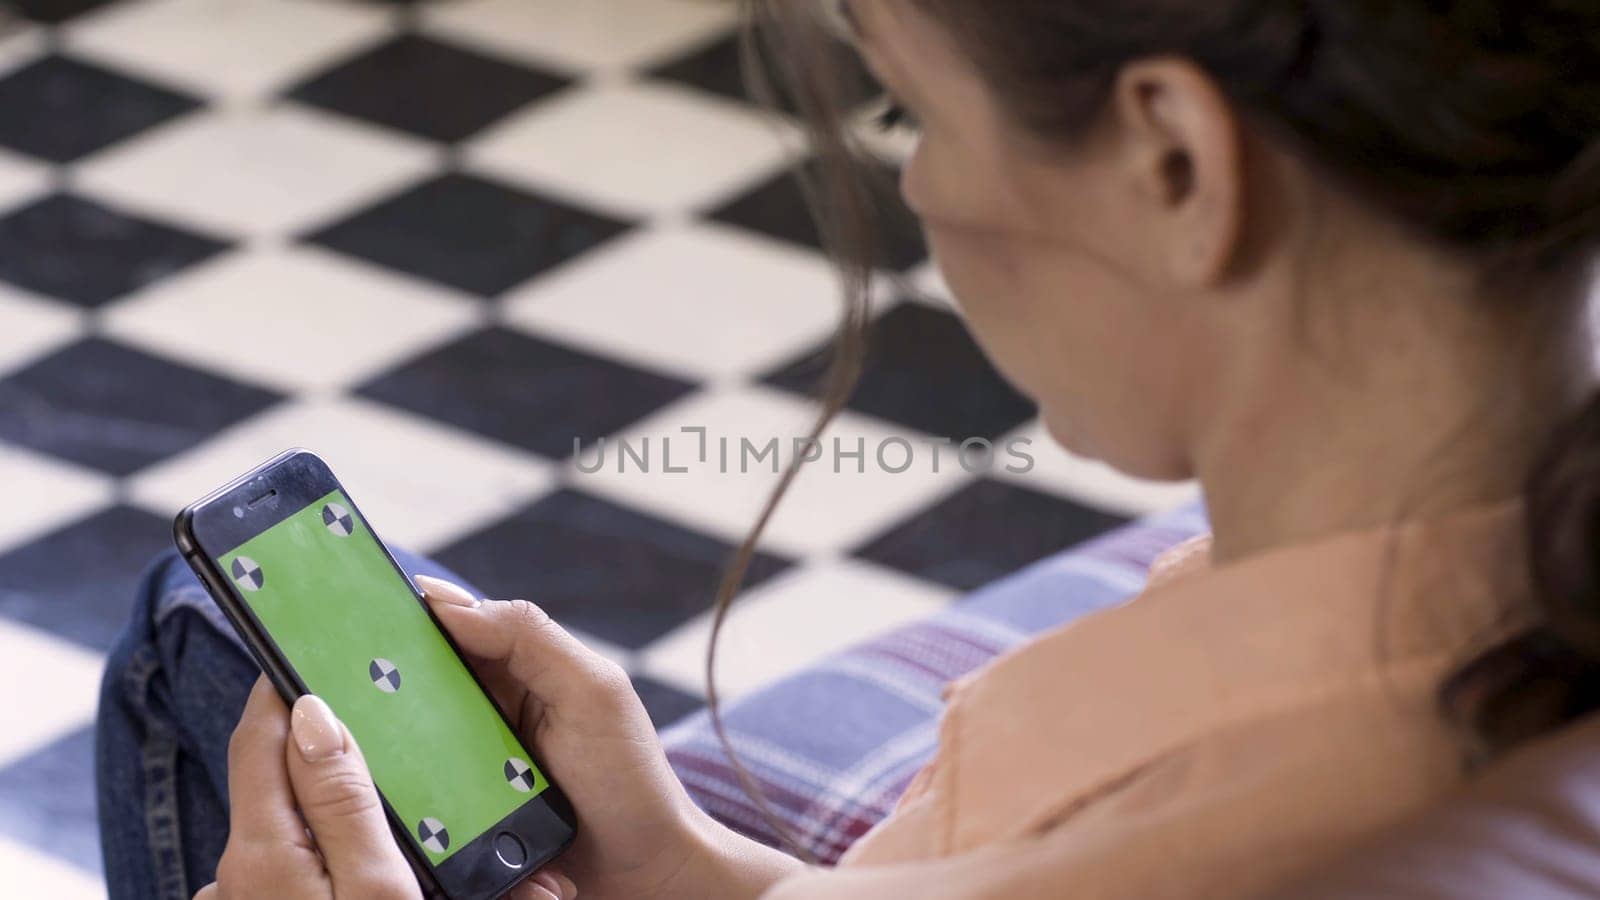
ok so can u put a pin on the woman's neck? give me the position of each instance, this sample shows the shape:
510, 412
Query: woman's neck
1439, 414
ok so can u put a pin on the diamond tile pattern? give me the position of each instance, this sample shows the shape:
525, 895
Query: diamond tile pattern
78, 582
587, 144
595, 36
654, 575
240, 172
777, 208
54, 11
923, 371
527, 392
60, 109
238, 50
441, 243
1023, 526
427, 87
50, 781
718, 67
469, 233
666, 704
107, 406
79, 250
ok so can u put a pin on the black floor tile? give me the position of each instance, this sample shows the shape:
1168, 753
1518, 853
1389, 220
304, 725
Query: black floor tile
78, 583
718, 67
116, 409
617, 574
524, 391
777, 208
984, 532
60, 109
54, 12
666, 704
426, 87
78, 250
47, 801
469, 233
922, 370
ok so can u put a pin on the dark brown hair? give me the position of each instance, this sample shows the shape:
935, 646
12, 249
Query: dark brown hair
1474, 122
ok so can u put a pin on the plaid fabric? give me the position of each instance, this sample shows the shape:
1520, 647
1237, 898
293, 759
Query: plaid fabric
835, 746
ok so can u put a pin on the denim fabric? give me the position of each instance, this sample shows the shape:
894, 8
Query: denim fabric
174, 687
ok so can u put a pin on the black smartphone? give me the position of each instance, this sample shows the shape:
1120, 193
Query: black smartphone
326, 609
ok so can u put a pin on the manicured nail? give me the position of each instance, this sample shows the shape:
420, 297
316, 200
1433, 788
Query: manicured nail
315, 729
442, 591
550, 883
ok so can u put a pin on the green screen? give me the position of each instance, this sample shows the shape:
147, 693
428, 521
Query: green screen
351, 628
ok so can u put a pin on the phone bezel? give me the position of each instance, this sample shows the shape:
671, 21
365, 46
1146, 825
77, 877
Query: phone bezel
209, 528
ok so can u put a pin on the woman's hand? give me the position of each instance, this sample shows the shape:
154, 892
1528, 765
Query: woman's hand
307, 823
639, 834
305, 820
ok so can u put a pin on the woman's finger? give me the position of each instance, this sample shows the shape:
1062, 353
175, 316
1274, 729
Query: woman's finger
335, 793
261, 801
531, 890
209, 892
546, 884
541, 655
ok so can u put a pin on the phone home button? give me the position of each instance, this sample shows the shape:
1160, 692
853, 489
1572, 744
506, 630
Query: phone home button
509, 848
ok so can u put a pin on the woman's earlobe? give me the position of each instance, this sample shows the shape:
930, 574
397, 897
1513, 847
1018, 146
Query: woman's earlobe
1191, 163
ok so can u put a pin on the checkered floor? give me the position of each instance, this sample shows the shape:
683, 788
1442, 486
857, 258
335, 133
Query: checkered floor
440, 245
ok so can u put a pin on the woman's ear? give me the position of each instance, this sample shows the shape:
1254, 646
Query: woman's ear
1183, 156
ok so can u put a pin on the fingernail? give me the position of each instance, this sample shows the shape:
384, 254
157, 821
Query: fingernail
445, 592
548, 882
569, 888
315, 729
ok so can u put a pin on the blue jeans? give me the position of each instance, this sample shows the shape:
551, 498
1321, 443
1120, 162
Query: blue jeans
174, 687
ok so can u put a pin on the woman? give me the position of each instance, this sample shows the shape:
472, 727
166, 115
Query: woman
1330, 258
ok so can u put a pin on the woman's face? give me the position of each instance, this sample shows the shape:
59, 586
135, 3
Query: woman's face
1047, 249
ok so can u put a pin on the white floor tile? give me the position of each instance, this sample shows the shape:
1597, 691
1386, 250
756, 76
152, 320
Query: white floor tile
928, 286
231, 49
32, 326
591, 145
586, 36
29, 873
706, 301
420, 483
22, 44
260, 173
791, 622
63, 683
22, 180
299, 318
833, 505
41, 493
1087, 481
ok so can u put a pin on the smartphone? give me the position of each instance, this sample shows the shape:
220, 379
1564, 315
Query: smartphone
326, 609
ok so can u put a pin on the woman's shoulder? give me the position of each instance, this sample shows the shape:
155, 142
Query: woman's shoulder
1291, 655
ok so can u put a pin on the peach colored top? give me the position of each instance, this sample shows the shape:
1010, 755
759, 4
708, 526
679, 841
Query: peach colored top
1221, 733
